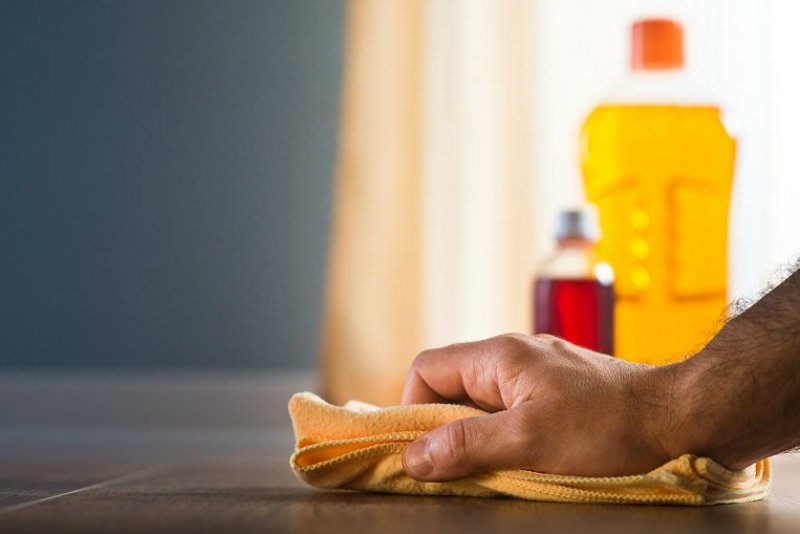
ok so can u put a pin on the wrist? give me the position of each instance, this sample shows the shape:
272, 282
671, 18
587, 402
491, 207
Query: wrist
667, 408
690, 414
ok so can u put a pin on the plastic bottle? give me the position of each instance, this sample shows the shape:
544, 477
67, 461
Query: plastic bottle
573, 293
658, 163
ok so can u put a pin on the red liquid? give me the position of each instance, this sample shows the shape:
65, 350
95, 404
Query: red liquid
578, 310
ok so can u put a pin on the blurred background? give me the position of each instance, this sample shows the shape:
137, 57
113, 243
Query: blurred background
166, 181
251, 184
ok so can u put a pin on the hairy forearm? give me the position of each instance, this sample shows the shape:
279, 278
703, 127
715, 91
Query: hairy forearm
738, 399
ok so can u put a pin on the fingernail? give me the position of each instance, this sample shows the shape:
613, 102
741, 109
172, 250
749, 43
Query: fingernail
417, 458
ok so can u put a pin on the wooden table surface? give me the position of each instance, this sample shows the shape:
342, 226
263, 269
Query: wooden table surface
206, 452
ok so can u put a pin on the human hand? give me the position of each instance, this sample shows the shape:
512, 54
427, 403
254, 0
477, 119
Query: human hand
556, 408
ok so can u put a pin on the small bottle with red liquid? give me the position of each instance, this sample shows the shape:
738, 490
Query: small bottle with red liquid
573, 295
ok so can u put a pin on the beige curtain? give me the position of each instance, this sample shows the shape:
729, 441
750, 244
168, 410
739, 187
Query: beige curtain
436, 209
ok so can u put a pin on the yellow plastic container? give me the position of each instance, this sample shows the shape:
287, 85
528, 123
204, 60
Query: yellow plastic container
660, 175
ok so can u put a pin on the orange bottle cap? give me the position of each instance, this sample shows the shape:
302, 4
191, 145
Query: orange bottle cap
657, 44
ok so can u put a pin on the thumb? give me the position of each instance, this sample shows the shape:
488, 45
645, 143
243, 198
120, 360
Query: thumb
464, 447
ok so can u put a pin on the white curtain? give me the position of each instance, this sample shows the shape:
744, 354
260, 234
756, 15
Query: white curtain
435, 230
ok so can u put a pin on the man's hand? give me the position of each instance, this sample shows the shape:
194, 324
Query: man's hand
556, 408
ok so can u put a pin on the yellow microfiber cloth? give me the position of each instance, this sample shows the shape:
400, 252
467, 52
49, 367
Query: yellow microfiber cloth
359, 447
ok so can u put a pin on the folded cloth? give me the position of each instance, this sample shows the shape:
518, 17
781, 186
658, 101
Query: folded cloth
359, 447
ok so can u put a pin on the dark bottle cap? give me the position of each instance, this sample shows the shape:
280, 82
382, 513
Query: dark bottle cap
577, 224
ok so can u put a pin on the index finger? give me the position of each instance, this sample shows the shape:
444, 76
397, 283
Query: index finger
464, 373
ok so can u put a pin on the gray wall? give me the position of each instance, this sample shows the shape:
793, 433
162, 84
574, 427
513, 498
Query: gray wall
165, 180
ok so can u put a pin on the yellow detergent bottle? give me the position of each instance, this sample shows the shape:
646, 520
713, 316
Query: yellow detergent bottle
658, 164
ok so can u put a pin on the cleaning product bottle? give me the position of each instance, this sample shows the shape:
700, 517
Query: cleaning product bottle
573, 292
658, 163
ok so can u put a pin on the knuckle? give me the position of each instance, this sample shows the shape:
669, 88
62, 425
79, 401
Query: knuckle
511, 343
547, 339
421, 359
